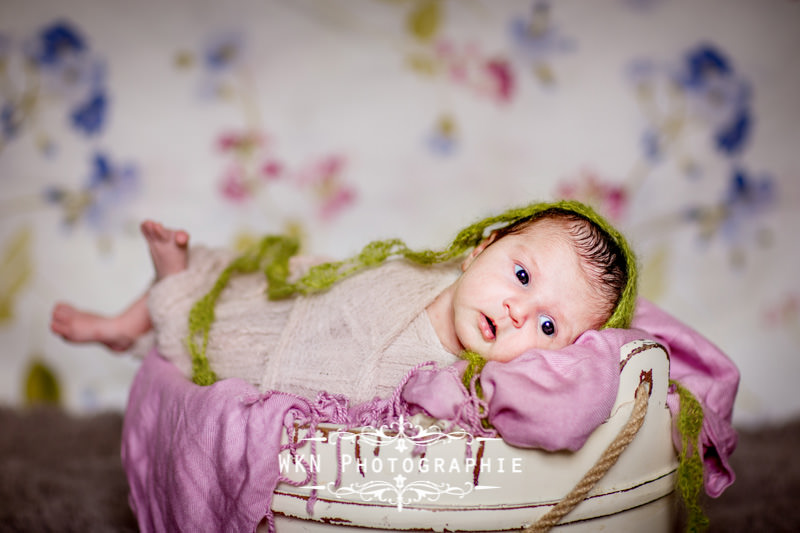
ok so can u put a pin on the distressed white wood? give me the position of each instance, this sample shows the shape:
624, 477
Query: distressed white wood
514, 486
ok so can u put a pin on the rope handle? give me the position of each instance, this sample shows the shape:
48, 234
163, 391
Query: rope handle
603, 464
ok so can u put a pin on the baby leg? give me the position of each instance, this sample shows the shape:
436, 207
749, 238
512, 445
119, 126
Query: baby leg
169, 248
169, 252
117, 333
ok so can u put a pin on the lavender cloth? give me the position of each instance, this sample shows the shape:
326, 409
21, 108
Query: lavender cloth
555, 399
700, 366
200, 458
206, 458
549, 399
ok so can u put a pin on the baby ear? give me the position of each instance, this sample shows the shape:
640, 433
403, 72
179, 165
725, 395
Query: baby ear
477, 250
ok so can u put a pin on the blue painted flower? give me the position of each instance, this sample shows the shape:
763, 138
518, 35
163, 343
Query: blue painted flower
735, 217
443, 139
535, 36
746, 198
111, 186
102, 172
750, 193
651, 142
441, 144
56, 42
703, 62
75, 77
9, 121
72, 74
718, 95
732, 138
107, 176
220, 57
223, 51
54, 194
10, 113
108, 188
89, 117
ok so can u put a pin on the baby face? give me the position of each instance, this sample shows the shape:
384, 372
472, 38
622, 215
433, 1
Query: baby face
523, 291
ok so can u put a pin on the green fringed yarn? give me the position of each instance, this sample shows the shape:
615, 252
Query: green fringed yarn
323, 276
475, 364
690, 460
272, 255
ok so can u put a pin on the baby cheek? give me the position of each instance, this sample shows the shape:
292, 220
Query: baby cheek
503, 356
520, 345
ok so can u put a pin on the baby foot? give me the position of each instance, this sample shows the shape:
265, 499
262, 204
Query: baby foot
75, 325
168, 248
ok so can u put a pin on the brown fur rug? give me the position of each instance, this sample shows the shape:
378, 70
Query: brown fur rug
766, 494
63, 473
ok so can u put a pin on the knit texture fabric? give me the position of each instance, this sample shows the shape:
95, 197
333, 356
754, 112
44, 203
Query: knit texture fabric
271, 256
358, 339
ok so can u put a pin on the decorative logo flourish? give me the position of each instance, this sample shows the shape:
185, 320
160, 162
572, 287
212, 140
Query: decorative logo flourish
398, 492
401, 432
403, 435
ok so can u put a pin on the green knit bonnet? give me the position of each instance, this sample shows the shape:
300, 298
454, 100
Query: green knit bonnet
323, 276
271, 256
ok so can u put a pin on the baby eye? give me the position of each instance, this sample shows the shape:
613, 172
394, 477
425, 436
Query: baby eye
522, 275
547, 325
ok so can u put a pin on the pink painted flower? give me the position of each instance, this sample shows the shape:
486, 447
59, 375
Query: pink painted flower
272, 169
233, 185
784, 312
501, 79
331, 165
337, 200
443, 48
242, 142
321, 170
466, 65
610, 198
324, 178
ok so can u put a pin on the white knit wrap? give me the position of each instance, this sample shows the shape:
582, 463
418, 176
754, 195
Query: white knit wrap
358, 338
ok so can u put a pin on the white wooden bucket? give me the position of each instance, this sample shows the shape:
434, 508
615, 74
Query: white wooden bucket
460, 483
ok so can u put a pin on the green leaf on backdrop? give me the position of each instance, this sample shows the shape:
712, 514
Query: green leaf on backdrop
653, 281
424, 21
16, 267
41, 385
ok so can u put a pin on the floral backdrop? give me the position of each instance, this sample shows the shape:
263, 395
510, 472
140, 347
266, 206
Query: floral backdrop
350, 120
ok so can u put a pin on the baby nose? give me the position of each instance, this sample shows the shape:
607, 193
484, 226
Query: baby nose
518, 311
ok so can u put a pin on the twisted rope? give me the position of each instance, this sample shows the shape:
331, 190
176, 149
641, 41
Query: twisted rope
603, 464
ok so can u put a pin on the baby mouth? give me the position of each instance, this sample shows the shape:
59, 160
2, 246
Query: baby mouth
491, 330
